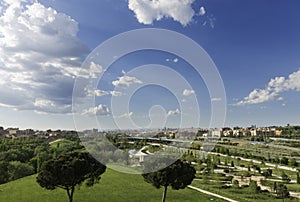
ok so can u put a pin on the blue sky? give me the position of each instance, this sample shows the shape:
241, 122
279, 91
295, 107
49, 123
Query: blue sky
254, 44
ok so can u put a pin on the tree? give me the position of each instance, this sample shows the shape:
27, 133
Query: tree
18, 170
69, 170
298, 178
235, 184
254, 188
285, 178
275, 187
178, 175
267, 173
293, 162
284, 160
282, 191
4, 176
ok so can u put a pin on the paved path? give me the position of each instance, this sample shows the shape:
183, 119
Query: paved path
212, 194
258, 162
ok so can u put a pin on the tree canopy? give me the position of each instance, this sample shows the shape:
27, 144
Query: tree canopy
69, 170
178, 175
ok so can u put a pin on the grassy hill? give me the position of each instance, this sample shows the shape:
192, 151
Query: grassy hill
113, 187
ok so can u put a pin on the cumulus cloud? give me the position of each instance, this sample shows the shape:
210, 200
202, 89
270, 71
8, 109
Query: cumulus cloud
188, 92
94, 70
48, 106
40, 54
116, 93
274, 88
147, 11
202, 11
100, 110
126, 81
16, 2
173, 112
99, 93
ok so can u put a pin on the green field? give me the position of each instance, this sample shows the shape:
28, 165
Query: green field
114, 186
239, 194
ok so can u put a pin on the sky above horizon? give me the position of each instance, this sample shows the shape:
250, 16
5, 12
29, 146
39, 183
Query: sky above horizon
254, 44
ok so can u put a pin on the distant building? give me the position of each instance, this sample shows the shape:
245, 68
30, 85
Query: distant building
13, 131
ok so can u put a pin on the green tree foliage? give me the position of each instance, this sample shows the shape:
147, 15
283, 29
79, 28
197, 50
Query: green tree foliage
285, 178
275, 187
17, 170
284, 160
178, 175
70, 170
4, 176
254, 188
293, 162
267, 173
235, 184
282, 191
17, 157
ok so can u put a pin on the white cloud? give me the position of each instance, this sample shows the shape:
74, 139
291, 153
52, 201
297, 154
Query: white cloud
188, 92
94, 70
116, 93
175, 60
202, 11
43, 106
126, 81
16, 2
273, 89
40, 54
147, 11
173, 113
126, 115
280, 99
210, 21
100, 110
216, 99
43, 103
99, 93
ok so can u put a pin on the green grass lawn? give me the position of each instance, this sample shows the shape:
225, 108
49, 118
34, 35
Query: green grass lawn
60, 143
239, 194
293, 187
114, 186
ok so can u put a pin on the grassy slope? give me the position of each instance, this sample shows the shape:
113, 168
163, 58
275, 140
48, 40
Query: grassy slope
114, 186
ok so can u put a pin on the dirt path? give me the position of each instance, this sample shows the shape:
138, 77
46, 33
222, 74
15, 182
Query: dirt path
212, 194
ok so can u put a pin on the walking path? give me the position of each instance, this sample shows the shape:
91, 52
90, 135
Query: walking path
212, 194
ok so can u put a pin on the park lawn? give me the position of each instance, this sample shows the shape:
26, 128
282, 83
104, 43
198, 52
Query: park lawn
240, 194
293, 187
113, 187
60, 143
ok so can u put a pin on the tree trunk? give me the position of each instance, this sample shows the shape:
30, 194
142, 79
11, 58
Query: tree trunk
164, 194
70, 194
